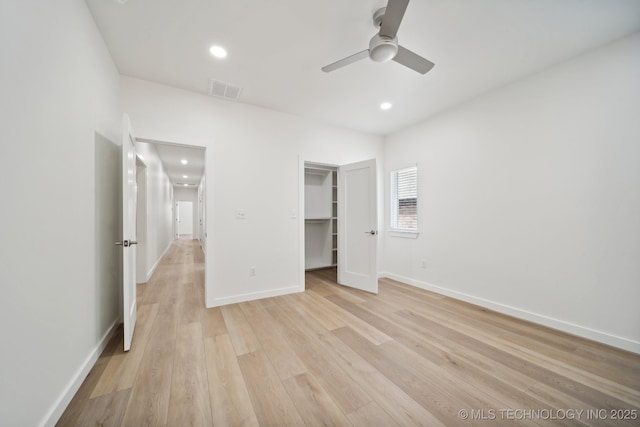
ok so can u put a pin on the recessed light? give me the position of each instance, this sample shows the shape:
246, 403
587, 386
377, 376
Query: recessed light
184, 161
186, 185
185, 176
218, 51
385, 105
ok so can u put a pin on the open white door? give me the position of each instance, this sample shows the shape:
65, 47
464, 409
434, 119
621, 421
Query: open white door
357, 226
129, 201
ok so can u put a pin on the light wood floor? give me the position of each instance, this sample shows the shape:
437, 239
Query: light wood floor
335, 356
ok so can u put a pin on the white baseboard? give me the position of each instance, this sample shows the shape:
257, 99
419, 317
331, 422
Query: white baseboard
581, 331
254, 296
56, 411
154, 266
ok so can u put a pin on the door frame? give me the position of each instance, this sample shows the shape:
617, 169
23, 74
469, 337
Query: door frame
301, 224
141, 222
207, 263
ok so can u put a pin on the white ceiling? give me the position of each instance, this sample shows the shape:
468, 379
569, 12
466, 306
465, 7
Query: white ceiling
277, 47
171, 156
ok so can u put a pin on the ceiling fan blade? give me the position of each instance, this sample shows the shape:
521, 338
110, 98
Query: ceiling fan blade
393, 17
413, 60
346, 61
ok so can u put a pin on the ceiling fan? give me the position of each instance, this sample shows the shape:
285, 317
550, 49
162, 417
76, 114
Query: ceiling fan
384, 45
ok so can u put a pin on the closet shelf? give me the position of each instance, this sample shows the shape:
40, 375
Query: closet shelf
316, 171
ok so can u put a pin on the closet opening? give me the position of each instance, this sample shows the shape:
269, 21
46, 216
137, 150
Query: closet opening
320, 217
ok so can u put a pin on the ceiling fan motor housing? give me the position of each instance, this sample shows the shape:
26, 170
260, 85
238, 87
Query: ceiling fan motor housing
377, 17
382, 48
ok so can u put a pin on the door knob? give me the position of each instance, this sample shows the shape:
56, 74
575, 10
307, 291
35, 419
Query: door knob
372, 232
126, 243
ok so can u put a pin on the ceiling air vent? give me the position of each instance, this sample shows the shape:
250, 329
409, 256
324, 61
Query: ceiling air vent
224, 90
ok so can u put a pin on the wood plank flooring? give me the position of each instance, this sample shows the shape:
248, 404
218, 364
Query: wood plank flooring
333, 356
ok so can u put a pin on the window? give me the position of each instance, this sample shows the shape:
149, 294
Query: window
404, 199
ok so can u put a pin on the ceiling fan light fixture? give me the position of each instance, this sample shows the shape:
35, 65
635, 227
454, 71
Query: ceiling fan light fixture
383, 49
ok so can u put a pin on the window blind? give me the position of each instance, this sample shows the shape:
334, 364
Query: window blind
404, 199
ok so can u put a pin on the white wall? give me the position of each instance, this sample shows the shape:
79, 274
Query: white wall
182, 194
529, 198
59, 267
159, 206
252, 164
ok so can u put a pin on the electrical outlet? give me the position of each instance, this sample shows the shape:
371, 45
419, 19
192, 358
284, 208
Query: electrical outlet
252, 271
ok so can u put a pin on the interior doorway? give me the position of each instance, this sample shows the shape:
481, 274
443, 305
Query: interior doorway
172, 193
320, 216
339, 225
184, 220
